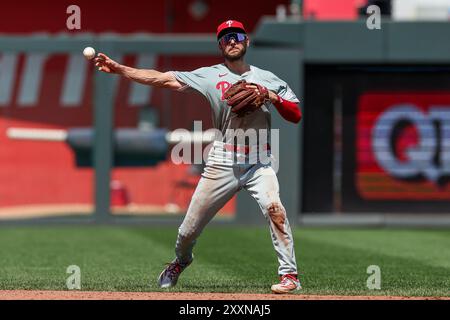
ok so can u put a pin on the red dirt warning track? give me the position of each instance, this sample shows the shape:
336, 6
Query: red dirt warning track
96, 295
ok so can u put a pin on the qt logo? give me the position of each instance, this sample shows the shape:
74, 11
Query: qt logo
426, 155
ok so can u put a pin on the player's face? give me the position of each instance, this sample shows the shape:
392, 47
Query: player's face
234, 46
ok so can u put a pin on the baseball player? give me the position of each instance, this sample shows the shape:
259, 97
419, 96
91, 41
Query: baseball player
241, 96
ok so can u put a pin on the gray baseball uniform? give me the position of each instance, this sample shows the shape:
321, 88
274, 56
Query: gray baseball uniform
223, 176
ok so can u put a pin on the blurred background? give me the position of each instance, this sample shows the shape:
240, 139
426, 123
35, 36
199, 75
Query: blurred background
373, 146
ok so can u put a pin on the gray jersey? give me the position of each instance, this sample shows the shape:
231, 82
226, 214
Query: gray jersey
212, 82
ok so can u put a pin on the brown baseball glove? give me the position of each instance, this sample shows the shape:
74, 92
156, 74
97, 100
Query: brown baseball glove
245, 97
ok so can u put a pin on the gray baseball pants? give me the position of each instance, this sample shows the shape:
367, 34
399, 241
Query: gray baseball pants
223, 176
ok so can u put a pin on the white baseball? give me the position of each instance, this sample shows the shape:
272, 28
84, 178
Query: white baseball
89, 53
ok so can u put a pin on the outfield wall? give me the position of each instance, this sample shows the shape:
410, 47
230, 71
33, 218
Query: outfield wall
346, 75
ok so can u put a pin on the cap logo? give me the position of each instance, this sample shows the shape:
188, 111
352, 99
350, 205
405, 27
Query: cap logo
229, 23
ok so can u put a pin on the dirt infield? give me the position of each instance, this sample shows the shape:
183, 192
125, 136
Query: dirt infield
96, 295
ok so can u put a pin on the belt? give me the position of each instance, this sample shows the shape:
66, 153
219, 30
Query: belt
244, 149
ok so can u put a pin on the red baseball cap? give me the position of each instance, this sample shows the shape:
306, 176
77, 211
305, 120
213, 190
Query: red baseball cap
229, 26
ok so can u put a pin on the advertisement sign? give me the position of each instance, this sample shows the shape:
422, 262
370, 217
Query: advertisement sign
403, 146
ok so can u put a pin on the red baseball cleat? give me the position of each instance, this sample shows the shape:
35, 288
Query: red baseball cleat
288, 284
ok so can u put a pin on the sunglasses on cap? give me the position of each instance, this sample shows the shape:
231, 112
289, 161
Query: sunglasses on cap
238, 37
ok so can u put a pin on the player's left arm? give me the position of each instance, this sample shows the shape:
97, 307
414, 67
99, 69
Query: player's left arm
289, 110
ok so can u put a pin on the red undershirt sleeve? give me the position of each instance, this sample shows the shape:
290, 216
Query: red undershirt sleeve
290, 111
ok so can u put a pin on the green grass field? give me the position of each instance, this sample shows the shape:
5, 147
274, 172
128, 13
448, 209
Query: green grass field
412, 262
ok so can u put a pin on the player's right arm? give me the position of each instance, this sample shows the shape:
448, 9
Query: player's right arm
143, 76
